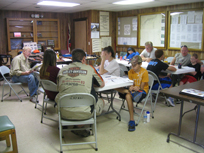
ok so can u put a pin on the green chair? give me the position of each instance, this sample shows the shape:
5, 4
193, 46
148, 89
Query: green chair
7, 128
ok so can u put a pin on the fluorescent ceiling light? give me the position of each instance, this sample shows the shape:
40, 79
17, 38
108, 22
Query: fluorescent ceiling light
175, 13
54, 3
128, 2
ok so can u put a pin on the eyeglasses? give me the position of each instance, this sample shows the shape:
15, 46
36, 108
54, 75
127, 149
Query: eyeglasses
184, 46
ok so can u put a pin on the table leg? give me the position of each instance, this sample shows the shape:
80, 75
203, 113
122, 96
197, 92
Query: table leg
180, 119
196, 123
111, 105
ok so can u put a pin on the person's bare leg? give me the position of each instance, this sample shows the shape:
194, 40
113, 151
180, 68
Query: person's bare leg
130, 106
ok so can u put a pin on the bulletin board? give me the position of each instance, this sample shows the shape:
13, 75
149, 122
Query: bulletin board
152, 27
127, 31
186, 28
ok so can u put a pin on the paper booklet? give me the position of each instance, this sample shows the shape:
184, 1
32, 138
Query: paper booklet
36, 66
193, 93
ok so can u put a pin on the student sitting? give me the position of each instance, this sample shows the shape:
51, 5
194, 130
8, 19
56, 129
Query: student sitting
130, 53
156, 66
49, 71
193, 76
109, 65
138, 91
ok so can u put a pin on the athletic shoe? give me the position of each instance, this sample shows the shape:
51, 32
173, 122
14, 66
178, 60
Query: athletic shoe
33, 99
131, 126
171, 101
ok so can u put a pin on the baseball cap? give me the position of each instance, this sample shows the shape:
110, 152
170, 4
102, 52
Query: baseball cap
136, 60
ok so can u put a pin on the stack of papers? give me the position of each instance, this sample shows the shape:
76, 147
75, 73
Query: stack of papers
193, 92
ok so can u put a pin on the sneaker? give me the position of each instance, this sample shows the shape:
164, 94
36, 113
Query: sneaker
82, 133
33, 99
131, 126
171, 101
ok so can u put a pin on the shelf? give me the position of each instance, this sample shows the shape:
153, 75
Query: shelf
49, 30
21, 37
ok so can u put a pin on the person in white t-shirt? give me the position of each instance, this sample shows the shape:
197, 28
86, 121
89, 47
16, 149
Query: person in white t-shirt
148, 53
109, 65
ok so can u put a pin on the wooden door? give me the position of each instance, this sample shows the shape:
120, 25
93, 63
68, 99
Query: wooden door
80, 34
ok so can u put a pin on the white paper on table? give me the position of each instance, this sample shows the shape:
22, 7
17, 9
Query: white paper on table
66, 59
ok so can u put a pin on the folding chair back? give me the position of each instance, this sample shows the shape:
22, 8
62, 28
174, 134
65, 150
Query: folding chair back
122, 70
159, 87
40, 89
50, 86
77, 100
5, 70
149, 95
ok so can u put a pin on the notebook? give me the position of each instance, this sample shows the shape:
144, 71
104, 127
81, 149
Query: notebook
193, 93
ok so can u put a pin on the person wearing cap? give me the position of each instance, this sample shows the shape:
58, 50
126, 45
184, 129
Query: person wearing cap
182, 58
130, 53
149, 52
21, 72
138, 90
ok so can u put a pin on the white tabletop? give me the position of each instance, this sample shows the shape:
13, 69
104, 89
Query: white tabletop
183, 70
113, 82
127, 64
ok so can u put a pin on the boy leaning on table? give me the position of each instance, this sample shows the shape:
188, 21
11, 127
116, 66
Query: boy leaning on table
138, 91
156, 66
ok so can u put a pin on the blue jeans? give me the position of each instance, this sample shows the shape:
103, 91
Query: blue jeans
30, 80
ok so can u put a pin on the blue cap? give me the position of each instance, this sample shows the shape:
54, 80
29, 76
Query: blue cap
148, 112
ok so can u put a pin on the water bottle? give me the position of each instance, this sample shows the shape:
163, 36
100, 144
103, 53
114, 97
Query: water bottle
145, 117
116, 56
148, 116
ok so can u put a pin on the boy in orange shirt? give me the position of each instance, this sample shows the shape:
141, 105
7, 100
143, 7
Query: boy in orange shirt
139, 90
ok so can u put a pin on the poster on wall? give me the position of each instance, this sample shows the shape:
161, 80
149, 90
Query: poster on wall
104, 23
94, 30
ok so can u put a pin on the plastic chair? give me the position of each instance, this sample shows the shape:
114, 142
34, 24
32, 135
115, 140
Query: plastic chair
5, 70
159, 88
77, 100
169, 59
7, 128
149, 95
122, 70
40, 89
50, 86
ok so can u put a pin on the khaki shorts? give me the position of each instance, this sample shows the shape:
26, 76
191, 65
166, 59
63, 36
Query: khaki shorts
82, 113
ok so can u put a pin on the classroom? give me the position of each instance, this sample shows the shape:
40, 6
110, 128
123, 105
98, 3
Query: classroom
92, 26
